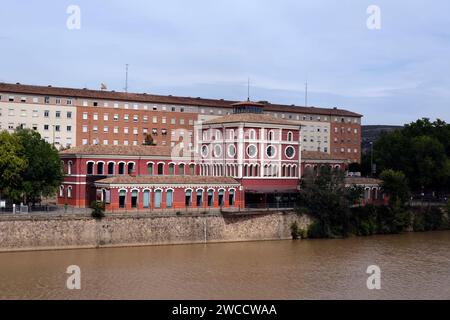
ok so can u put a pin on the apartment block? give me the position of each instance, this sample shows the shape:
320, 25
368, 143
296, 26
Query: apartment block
70, 117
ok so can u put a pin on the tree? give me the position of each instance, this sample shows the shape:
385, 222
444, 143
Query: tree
326, 198
148, 141
421, 150
98, 210
44, 171
12, 166
394, 184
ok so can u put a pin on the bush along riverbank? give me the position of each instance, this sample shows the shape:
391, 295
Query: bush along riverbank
331, 206
371, 220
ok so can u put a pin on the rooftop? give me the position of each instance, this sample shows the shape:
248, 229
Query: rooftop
201, 180
251, 118
119, 150
152, 98
317, 155
362, 180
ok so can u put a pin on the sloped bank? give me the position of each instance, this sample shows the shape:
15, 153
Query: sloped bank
19, 233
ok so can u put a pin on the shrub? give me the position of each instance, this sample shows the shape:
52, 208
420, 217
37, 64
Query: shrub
418, 222
98, 210
297, 232
434, 219
315, 231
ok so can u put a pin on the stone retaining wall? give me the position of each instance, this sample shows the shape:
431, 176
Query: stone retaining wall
63, 232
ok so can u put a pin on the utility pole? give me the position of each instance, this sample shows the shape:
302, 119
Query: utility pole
306, 93
126, 78
371, 158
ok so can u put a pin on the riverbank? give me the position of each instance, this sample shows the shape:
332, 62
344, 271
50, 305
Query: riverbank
28, 233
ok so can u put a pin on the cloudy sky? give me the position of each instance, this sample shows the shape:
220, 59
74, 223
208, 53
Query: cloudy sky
209, 48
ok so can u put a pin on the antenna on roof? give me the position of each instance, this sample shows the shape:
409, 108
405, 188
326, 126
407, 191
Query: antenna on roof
306, 93
126, 78
248, 89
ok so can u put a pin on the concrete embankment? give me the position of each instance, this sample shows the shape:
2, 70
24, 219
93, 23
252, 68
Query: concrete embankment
19, 233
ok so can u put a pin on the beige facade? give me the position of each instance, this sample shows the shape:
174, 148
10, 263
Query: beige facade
55, 123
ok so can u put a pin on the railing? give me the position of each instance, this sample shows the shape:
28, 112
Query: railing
50, 210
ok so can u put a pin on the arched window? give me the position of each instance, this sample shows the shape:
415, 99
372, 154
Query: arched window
90, 168
160, 169
218, 134
231, 197
100, 167
367, 195
188, 198
134, 198
131, 168
210, 198
199, 198
192, 169
61, 191
271, 135
171, 169
252, 134
110, 168
150, 168
181, 169
69, 167
69, 192
169, 198
221, 197
289, 136
122, 198
158, 197
231, 134
146, 199
121, 167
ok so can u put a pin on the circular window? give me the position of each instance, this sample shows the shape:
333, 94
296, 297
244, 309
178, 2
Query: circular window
205, 151
252, 151
217, 150
290, 152
231, 150
271, 151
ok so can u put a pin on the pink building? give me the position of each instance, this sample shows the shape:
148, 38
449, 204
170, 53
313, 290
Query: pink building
245, 159
262, 152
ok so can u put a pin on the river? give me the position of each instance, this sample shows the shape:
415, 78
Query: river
413, 266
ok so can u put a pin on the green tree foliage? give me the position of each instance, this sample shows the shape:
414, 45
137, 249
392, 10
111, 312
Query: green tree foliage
326, 198
421, 150
12, 166
44, 172
98, 210
148, 140
38, 170
394, 184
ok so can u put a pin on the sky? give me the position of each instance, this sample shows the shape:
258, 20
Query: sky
209, 48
